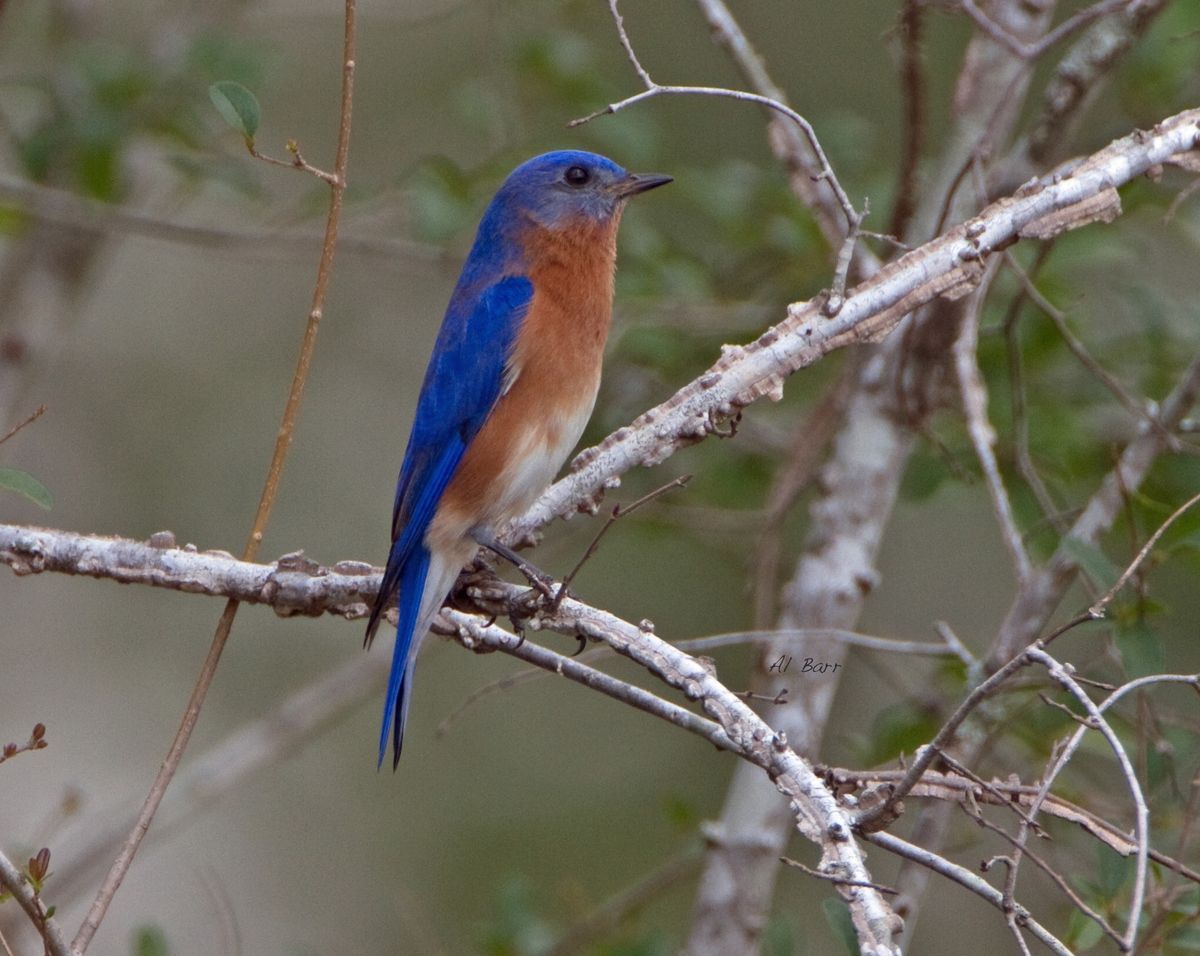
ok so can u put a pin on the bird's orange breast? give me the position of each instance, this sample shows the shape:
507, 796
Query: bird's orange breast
556, 365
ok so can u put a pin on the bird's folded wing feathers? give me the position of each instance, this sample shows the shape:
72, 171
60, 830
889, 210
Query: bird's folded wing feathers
463, 382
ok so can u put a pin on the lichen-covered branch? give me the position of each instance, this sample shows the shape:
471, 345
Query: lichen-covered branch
295, 586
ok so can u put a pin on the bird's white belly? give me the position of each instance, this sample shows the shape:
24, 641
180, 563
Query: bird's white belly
536, 456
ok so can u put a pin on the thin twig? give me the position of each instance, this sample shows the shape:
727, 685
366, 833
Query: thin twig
296, 162
618, 511
834, 878
1077, 901
37, 413
653, 89
787, 142
1019, 401
660, 89
953, 788
955, 644
968, 880
1062, 675
983, 436
615, 910
1098, 607
283, 442
912, 72
852, 638
1181, 197
1139, 409
36, 741
1031, 51
47, 204
628, 46
473, 633
993, 789
927, 754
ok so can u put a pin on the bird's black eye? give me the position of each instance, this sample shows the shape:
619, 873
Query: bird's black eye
577, 176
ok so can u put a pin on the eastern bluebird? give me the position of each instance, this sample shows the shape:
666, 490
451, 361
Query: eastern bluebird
509, 388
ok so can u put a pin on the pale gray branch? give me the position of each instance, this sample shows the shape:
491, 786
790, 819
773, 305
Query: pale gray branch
973, 389
968, 880
949, 265
1063, 675
294, 586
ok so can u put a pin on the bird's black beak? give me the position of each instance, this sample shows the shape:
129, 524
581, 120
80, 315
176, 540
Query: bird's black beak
636, 183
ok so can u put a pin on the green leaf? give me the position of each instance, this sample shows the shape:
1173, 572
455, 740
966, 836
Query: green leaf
1112, 871
1083, 933
25, 484
923, 476
237, 105
150, 941
900, 728
1092, 561
1188, 902
837, 915
13, 220
779, 938
1141, 648
1186, 937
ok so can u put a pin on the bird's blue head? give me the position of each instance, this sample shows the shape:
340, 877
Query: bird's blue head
556, 189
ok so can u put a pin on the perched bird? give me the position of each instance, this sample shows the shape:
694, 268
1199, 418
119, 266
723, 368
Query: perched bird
509, 388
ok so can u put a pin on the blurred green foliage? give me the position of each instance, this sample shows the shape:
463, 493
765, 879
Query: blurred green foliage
150, 941
109, 97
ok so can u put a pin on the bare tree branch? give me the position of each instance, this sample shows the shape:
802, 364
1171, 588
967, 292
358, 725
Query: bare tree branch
1037, 600
1096, 518
949, 265
1077, 79
983, 436
1031, 51
787, 140
968, 880
817, 815
826, 173
1062, 674
1015, 796
63, 208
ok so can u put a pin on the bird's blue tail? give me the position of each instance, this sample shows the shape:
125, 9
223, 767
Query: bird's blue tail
404, 656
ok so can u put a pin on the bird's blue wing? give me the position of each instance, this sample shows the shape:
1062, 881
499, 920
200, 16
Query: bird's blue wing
464, 379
